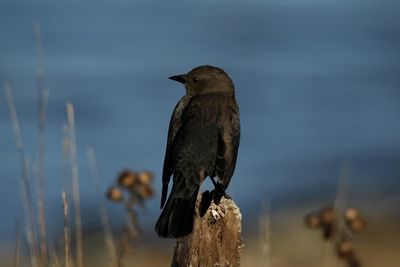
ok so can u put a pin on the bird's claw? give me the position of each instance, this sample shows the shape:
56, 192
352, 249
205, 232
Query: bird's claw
225, 195
205, 202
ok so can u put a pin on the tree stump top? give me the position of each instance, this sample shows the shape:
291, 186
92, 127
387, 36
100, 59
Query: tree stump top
216, 238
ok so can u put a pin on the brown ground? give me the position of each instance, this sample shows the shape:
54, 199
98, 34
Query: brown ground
293, 245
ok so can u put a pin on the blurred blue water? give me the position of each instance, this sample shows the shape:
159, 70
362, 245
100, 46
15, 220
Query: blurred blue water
317, 83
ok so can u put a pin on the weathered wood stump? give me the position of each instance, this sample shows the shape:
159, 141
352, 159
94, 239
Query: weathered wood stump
216, 238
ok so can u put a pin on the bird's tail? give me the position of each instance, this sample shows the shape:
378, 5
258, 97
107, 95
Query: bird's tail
176, 219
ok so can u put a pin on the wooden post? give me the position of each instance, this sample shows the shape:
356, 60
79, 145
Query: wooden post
216, 238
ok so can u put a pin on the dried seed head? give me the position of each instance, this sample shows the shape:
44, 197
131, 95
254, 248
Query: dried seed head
145, 177
358, 225
127, 178
312, 221
327, 216
114, 194
352, 214
345, 249
145, 191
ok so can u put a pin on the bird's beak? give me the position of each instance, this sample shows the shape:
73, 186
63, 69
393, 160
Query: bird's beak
179, 78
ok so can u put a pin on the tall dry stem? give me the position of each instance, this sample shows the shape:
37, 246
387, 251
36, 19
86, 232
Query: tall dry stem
265, 233
339, 206
17, 248
65, 199
67, 242
26, 193
75, 184
54, 259
65, 161
346, 171
108, 236
41, 112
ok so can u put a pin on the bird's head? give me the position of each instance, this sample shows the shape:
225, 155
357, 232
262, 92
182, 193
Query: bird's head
205, 79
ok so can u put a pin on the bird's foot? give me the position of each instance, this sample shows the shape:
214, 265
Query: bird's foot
225, 195
205, 202
217, 196
218, 193
217, 212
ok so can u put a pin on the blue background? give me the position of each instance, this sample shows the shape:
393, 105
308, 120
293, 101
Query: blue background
318, 82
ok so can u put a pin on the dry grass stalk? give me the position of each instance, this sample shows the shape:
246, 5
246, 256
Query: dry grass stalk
265, 233
41, 108
26, 194
343, 186
128, 239
64, 195
17, 248
54, 259
108, 236
338, 206
327, 249
75, 184
67, 242
65, 160
341, 196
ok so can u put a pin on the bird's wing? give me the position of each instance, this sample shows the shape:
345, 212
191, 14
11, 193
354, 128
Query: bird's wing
228, 145
174, 126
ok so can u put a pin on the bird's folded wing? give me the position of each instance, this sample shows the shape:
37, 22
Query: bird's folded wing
174, 126
228, 145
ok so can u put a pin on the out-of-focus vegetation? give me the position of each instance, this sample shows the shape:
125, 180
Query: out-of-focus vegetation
278, 238
339, 229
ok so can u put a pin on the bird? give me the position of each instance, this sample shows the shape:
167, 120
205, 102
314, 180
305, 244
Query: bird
203, 141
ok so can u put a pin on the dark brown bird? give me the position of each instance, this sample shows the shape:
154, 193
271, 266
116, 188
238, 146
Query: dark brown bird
203, 140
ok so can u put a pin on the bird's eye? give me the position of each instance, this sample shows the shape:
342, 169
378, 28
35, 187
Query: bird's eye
195, 79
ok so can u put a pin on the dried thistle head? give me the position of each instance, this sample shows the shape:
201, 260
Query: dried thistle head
345, 249
145, 191
132, 188
127, 178
312, 220
145, 177
329, 219
115, 194
327, 216
358, 225
137, 185
352, 214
